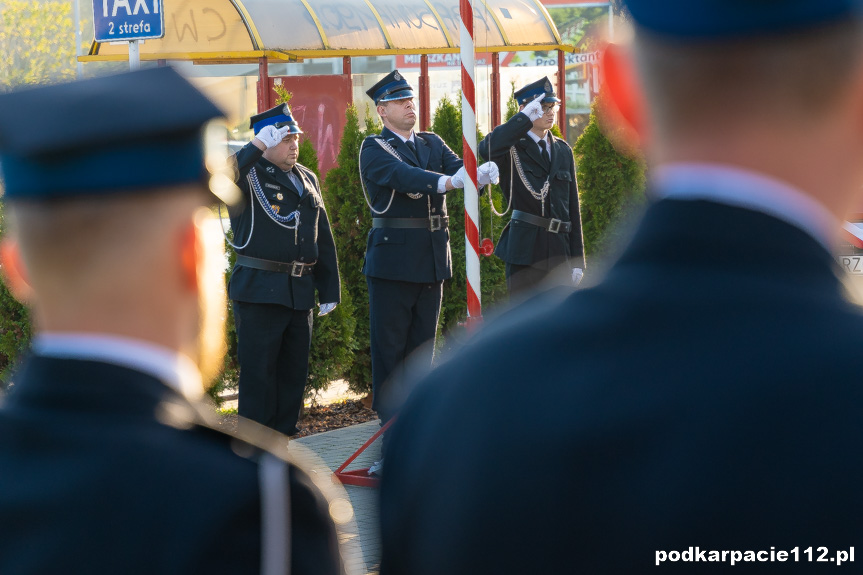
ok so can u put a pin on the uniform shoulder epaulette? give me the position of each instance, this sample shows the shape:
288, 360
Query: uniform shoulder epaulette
305, 169
429, 134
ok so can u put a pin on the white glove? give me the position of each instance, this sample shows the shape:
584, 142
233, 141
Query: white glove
533, 110
326, 308
271, 136
488, 174
577, 274
457, 178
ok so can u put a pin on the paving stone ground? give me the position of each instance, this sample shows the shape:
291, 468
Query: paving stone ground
363, 548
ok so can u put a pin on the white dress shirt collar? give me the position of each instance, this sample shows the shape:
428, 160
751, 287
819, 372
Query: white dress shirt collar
403, 139
742, 188
171, 367
537, 139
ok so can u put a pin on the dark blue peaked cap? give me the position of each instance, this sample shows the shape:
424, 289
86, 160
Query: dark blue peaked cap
115, 134
531, 91
391, 87
717, 19
277, 116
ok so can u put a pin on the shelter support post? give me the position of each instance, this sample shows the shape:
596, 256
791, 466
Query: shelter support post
495, 89
561, 92
263, 85
346, 66
425, 93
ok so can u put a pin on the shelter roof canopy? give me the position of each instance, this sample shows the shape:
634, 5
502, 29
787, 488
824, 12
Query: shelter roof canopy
238, 30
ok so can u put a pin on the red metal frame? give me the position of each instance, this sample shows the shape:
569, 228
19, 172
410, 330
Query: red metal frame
495, 90
361, 477
425, 93
561, 92
263, 85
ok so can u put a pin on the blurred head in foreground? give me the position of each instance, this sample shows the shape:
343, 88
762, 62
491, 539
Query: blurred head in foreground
110, 231
751, 84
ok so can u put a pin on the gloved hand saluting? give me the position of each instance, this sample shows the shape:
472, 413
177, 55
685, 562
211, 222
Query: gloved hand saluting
270, 135
488, 174
325, 307
577, 275
457, 178
533, 110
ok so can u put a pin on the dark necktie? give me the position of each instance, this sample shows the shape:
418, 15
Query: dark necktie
413, 150
545, 156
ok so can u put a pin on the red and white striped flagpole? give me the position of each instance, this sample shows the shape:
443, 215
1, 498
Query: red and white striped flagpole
471, 198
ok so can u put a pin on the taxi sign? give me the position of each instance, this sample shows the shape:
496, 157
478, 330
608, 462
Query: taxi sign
128, 20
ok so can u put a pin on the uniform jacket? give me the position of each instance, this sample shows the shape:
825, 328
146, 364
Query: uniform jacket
108, 470
270, 241
526, 244
706, 393
412, 255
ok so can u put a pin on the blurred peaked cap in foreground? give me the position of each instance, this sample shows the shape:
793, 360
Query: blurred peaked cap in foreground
716, 19
109, 135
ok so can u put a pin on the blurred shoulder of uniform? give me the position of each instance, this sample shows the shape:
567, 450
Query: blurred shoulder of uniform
249, 442
429, 136
307, 172
561, 140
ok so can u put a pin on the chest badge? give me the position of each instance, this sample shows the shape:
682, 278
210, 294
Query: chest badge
280, 196
275, 208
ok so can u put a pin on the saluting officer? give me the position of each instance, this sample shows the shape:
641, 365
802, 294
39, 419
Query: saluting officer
285, 253
538, 180
406, 175
108, 462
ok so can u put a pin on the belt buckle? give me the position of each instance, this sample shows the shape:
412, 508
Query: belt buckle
297, 269
554, 225
434, 223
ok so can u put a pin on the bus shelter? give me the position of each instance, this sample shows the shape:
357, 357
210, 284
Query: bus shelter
271, 31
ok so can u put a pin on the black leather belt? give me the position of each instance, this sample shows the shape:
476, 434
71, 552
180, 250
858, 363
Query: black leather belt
433, 223
296, 269
553, 225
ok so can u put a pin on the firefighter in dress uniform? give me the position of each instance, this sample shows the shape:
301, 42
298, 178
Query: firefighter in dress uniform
285, 253
538, 180
406, 176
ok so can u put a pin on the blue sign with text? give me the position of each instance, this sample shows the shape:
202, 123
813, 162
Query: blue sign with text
126, 20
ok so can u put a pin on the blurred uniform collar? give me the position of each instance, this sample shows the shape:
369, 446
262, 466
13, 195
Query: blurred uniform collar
742, 188
171, 367
403, 139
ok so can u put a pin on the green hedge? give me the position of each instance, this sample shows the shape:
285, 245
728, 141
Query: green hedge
14, 329
611, 186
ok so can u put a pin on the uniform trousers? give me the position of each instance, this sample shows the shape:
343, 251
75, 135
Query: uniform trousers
403, 319
522, 279
273, 343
